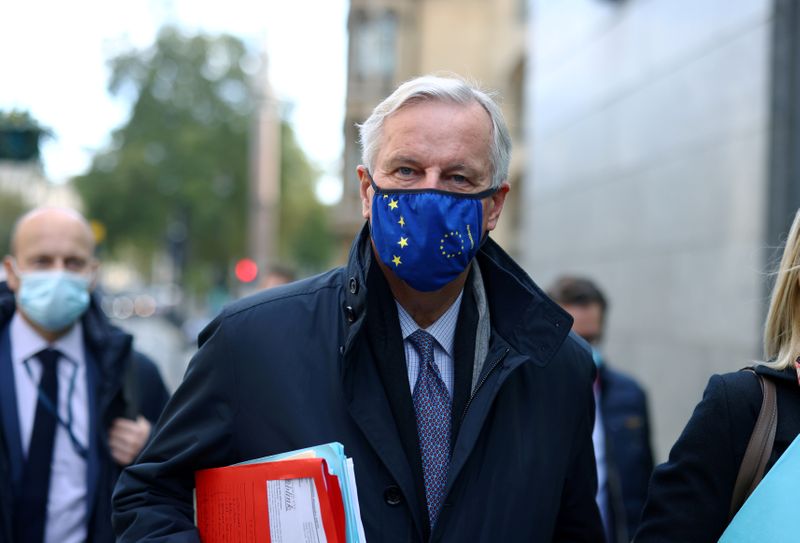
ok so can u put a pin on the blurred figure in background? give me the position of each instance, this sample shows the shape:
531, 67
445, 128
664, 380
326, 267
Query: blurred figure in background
277, 275
622, 427
691, 495
76, 401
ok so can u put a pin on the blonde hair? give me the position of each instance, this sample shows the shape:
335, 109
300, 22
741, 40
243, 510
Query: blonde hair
782, 328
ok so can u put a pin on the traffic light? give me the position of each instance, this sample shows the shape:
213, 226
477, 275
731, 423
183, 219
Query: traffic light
246, 270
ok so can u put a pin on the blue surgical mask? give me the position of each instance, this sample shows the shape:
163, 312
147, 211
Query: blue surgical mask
427, 237
53, 299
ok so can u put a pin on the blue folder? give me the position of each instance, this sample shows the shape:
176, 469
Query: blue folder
770, 513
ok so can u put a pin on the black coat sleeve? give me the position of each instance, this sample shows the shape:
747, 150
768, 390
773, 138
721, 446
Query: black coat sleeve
153, 497
578, 517
689, 496
152, 393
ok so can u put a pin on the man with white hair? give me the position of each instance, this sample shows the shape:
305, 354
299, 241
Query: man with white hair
76, 401
448, 376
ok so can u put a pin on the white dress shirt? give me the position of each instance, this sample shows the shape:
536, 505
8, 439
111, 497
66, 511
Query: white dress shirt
66, 503
443, 331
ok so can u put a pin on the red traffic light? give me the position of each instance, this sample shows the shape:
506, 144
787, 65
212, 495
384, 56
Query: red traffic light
246, 270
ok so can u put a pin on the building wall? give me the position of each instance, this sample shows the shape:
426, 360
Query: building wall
648, 125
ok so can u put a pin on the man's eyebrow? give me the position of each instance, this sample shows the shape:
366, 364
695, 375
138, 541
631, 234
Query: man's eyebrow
460, 166
402, 159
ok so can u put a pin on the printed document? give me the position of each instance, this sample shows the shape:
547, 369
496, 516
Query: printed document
294, 512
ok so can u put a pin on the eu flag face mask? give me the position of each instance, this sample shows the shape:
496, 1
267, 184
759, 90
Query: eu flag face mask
427, 237
53, 299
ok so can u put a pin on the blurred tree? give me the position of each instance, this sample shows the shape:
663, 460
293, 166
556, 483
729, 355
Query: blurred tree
305, 238
20, 135
11, 207
175, 177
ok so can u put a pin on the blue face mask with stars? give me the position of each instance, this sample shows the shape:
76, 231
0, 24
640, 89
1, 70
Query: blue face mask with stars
427, 237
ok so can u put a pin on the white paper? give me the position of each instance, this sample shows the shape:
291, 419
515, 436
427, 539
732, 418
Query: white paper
294, 513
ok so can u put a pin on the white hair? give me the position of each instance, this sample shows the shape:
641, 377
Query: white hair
446, 89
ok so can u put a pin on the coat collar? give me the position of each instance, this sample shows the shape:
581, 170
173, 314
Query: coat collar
788, 374
520, 311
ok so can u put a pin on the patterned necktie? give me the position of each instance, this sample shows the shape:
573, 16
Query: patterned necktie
31, 504
432, 406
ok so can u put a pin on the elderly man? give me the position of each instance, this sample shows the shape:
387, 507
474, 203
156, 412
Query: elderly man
449, 377
76, 401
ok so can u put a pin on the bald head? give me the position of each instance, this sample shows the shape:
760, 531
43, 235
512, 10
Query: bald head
44, 220
49, 239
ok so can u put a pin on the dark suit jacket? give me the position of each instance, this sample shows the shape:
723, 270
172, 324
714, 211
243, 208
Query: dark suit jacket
629, 456
122, 382
690, 495
307, 363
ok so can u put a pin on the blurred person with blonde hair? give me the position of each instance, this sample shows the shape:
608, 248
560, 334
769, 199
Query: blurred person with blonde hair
691, 496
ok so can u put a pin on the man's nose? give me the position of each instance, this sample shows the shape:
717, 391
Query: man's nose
433, 179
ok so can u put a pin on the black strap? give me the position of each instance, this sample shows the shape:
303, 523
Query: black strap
759, 448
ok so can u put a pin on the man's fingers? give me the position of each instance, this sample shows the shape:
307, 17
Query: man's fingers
126, 438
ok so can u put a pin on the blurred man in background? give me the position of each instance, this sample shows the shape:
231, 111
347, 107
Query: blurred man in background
622, 431
277, 275
76, 401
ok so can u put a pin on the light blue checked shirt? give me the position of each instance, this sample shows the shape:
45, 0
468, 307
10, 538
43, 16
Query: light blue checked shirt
443, 331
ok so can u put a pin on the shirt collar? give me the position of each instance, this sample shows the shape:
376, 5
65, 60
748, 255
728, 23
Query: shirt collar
443, 330
26, 342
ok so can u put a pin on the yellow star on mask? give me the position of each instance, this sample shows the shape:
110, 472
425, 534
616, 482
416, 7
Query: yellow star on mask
403, 242
402, 221
396, 260
392, 204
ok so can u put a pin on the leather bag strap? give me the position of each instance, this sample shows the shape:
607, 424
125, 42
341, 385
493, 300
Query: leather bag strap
759, 448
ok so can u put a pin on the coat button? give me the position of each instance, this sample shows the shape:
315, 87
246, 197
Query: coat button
392, 495
350, 314
353, 285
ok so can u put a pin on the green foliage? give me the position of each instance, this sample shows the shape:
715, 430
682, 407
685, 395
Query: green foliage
176, 175
11, 208
306, 240
20, 134
19, 119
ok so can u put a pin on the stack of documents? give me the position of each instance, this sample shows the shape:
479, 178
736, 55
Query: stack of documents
308, 495
770, 513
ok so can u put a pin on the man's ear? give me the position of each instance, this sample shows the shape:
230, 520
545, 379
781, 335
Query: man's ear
12, 279
495, 206
366, 191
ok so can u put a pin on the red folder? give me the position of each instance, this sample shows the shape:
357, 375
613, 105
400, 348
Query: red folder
232, 502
